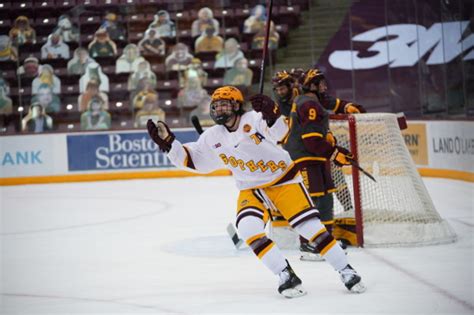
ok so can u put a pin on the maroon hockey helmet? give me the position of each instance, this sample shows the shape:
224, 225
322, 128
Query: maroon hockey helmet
313, 75
282, 78
297, 73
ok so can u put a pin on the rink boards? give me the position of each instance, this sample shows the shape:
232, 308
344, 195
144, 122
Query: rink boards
87, 156
438, 148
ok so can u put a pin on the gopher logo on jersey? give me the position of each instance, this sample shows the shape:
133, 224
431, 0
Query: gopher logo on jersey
247, 128
257, 137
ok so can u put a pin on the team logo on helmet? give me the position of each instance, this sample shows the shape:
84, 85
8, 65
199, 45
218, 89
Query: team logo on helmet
311, 76
282, 77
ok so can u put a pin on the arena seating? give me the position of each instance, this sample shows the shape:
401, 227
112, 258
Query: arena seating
135, 16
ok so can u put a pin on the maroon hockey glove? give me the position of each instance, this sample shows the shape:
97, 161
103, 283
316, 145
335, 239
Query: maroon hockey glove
341, 156
160, 134
264, 104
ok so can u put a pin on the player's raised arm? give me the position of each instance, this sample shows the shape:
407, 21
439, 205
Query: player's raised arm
191, 156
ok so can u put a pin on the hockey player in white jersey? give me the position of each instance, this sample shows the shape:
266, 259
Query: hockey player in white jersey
246, 143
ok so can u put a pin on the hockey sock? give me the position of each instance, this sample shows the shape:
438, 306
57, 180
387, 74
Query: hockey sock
325, 205
251, 229
273, 259
309, 228
336, 257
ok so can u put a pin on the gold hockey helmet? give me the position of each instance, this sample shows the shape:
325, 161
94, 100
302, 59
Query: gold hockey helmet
233, 108
227, 93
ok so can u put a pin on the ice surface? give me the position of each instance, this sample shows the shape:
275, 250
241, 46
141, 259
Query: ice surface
160, 247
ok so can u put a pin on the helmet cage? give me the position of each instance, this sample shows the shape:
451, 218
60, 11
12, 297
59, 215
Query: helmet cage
283, 78
221, 111
223, 96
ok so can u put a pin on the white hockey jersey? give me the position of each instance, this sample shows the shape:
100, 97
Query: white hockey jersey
251, 153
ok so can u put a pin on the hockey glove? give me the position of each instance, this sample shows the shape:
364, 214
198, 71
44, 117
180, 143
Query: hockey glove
341, 156
160, 134
352, 108
265, 105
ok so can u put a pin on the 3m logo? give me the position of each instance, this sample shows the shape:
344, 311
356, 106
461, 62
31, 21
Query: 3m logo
411, 43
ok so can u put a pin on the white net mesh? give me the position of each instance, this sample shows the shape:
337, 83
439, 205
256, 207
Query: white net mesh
397, 210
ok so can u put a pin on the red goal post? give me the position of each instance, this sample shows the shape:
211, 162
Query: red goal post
352, 141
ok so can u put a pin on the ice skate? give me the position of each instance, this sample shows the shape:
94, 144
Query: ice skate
290, 284
309, 253
352, 280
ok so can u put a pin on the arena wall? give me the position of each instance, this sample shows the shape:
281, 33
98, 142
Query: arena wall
438, 148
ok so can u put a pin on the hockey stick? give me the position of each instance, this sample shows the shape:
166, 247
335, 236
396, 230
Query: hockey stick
230, 228
265, 47
354, 163
234, 237
402, 124
197, 124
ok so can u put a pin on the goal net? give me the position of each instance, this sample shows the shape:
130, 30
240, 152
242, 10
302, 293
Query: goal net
396, 210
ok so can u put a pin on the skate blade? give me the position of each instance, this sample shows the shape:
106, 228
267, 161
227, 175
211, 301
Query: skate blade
311, 257
294, 292
358, 288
